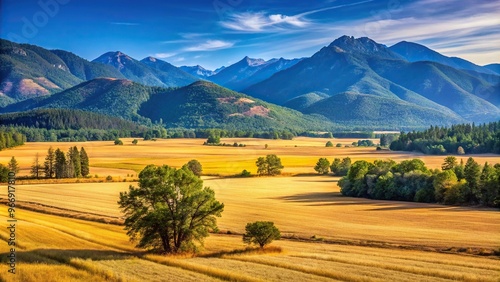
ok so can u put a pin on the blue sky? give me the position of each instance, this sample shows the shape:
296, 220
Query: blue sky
213, 33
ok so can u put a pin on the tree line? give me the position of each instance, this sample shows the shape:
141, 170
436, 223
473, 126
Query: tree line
10, 138
410, 180
457, 139
57, 164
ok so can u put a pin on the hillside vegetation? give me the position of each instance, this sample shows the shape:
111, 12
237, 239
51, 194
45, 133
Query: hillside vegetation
206, 105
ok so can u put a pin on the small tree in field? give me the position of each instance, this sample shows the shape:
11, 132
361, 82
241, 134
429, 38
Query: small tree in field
195, 167
270, 165
213, 138
118, 142
36, 167
169, 210
450, 162
322, 166
261, 233
329, 144
13, 165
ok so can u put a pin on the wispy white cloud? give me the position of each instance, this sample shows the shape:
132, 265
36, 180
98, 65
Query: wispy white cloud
164, 55
256, 22
265, 22
210, 45
179, 59
452, 27
471, 31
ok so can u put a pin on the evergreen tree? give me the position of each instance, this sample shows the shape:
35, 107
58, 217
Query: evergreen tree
84, 162
60, 164
450, 162
75, 158
489, 185
36, 167
459, 170
69, 168
13, 165
472, 174
4, 173
49, 164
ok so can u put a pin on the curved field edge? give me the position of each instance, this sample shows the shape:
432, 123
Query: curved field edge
78, 250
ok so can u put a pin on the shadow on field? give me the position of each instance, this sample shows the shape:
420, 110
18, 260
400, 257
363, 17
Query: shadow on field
57, 256
400, 205
336, 199
319, 199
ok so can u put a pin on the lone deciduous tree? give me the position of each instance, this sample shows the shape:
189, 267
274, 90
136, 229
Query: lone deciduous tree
322, 166
169, 210
261, 233
270, 165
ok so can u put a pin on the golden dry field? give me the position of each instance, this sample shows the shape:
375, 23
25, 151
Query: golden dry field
61, 249
327, 237
298, 155
304, 206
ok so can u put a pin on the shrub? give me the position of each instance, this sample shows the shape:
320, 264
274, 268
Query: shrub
118, 142
329, 144
109, 178
338, 145
245, 173
261, 233
195, 167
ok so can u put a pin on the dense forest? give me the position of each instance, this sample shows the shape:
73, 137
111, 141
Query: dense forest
10, 137
457, 139
63, 125
411, 180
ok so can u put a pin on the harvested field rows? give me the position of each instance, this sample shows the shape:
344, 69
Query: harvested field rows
68, 249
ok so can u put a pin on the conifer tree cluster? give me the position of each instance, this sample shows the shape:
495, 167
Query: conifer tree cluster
58, 164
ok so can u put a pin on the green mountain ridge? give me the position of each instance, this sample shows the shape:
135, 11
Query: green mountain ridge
198, 105
369, 110
207, 105
361, 66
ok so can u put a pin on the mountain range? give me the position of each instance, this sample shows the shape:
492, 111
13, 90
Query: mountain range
201, 104
353, 82
364, 67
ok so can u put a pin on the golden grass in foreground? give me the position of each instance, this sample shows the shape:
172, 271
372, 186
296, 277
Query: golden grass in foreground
60, 254
305, 207
298, 155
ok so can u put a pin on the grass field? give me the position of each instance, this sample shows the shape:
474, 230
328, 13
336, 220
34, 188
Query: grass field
62, 249
298, 155
328, 237
304, 207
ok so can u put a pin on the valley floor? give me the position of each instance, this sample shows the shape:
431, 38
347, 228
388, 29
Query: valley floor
326, 236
